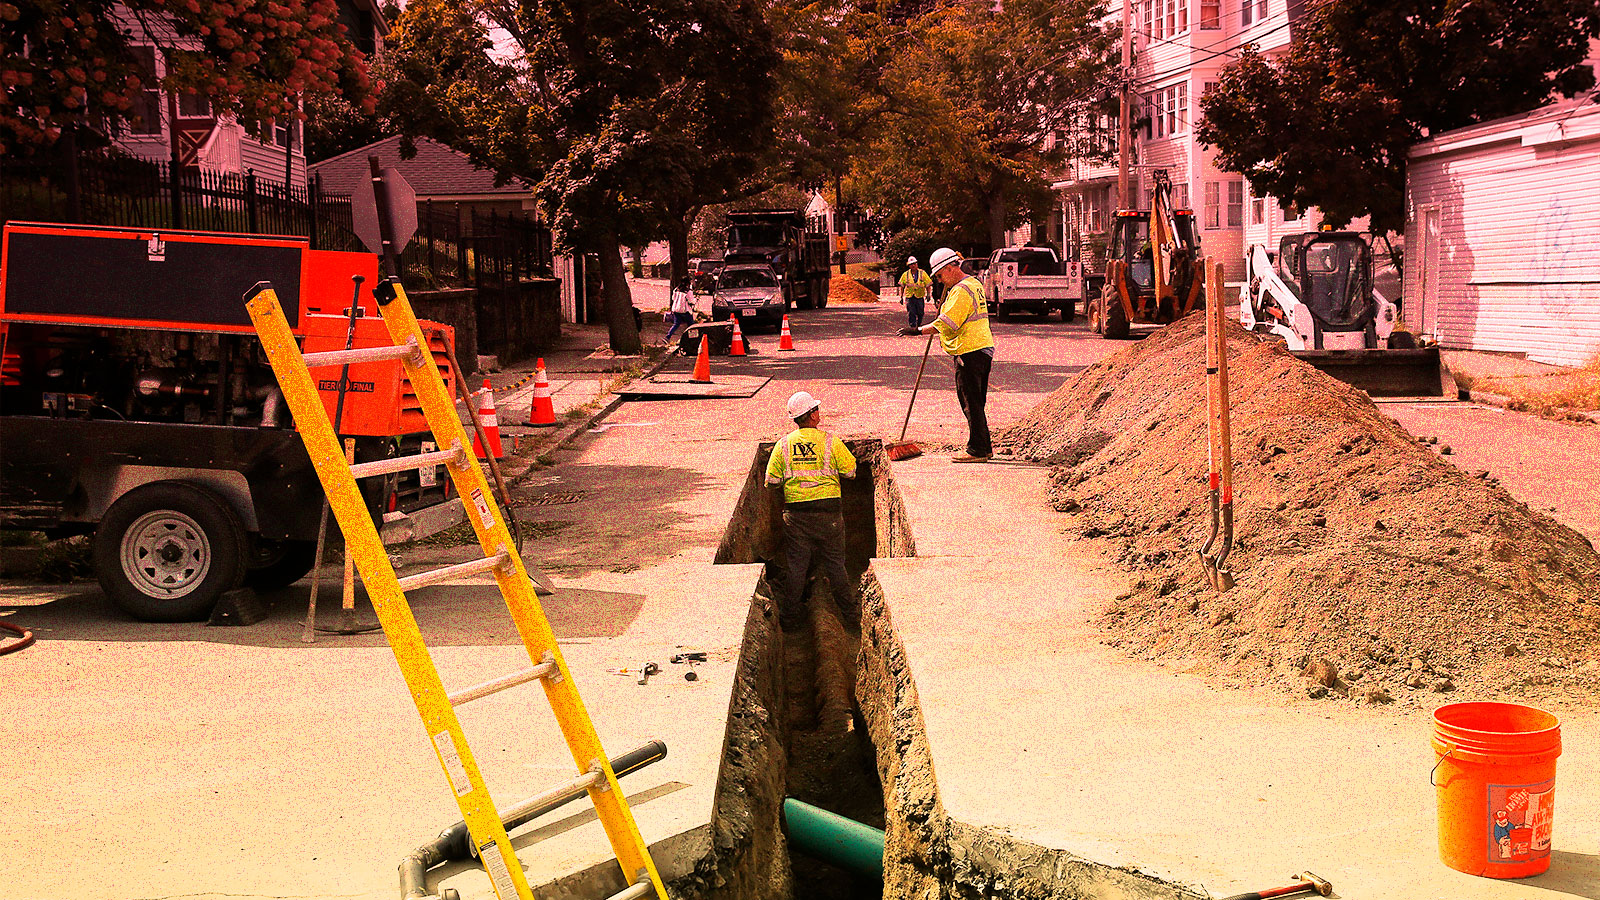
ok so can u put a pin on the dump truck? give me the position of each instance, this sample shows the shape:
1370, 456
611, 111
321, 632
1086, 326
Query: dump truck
1153, 267
1318, 297
137, 406
781, 239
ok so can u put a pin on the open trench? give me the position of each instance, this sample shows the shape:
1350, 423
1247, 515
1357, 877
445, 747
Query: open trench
827, 713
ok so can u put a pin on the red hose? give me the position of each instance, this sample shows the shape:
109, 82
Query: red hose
14, 646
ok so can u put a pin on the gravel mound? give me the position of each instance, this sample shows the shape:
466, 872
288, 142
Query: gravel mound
1367, 566
849, 290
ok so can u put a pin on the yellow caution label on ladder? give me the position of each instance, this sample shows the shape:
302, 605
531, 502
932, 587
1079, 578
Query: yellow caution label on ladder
434, 702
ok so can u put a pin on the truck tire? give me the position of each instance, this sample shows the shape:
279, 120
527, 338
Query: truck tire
999, 306
278, 564
819, 290
166, 551
1114, 323
1069, 311
1097, 319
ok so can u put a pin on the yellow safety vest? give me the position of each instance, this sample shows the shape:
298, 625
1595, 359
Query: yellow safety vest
963, 322
808, 463
917, 287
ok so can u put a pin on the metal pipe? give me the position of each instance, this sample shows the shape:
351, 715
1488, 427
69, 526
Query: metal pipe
833, 839
455, 842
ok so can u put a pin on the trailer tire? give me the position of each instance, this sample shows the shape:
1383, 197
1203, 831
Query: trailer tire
278, 564
166, 551
1114, 322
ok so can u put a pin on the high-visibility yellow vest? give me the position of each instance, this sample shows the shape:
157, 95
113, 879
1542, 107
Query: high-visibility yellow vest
963, 322
917, 287
808, 464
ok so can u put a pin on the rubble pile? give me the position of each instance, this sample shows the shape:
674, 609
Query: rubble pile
1367, 566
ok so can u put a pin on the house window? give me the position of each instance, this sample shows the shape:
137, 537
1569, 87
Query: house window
194, 106
1258, 211
1148, 14
1213, 204
1210, 14
1168, 111
1180, 195
1291, 213
145, 115
1252, 11
1235, 204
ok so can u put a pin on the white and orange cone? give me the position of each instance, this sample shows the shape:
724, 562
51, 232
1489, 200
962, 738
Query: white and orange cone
491, 425
543, 411
702, 365
737, 347
786, 339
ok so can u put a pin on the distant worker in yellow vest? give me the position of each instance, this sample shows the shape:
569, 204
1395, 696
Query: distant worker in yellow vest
807, 465
963, 327
915, 286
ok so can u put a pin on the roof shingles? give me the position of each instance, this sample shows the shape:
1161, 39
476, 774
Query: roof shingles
436, 171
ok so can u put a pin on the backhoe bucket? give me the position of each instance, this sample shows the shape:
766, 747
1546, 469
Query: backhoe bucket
1387, 373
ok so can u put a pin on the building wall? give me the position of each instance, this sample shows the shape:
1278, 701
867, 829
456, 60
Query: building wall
1501, 239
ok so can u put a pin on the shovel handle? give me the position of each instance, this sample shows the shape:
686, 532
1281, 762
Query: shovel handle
916, 387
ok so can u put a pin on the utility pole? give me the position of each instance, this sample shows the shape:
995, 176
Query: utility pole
1123, 132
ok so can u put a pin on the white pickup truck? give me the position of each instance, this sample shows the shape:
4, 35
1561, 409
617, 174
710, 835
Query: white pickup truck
1032, 279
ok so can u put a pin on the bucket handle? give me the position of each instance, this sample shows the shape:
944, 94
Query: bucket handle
1436, 766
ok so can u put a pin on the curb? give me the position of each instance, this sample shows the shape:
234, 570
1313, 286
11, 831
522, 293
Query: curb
1505, 402
564, 435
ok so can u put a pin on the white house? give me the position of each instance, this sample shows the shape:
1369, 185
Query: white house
1502, 234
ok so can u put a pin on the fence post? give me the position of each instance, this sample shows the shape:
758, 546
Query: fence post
250, 201
175, 184
427, 210
314, 201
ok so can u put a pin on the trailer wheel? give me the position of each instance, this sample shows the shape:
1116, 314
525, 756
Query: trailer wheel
1114, 324
166, 551
278, 564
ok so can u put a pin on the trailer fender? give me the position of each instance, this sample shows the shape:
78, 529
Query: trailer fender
102, 487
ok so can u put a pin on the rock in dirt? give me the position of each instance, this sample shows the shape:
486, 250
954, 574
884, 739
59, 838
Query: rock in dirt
1457, 563
1322, 672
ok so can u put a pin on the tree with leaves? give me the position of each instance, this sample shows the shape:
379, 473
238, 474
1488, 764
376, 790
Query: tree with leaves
1329, 123
977, 96
68, 64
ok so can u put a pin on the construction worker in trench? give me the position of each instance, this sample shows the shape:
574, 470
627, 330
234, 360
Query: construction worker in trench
963, 327
807, 466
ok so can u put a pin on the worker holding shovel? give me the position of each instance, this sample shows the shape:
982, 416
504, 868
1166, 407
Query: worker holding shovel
963, 328
807, 466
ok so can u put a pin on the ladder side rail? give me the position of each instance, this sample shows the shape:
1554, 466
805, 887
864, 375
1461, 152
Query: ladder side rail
523, 603
377, 572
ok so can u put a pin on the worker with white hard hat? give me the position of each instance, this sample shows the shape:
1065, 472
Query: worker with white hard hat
963, 329
807, 465
915, 286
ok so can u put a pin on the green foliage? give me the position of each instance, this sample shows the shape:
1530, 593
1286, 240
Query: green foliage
1329, 123
65, 63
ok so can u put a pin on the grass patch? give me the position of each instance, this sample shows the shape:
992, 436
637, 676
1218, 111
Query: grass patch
66, 561
459, 535
1552, 395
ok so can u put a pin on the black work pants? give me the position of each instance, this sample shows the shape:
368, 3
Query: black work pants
972, 389
813, 531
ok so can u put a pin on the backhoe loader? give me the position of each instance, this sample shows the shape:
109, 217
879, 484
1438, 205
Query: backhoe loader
1153, 272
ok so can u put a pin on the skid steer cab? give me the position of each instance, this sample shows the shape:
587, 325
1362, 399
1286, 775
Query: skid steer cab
137, 406
1317, 297
1153, 272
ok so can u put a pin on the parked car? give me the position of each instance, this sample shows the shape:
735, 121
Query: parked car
703, 273
753, 293
1031, 279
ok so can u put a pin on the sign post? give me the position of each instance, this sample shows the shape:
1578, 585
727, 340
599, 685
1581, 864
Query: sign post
383, 213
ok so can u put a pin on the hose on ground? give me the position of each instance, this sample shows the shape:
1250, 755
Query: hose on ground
23, 633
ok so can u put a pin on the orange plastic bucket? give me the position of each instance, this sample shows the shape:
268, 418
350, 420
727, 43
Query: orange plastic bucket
1496, 780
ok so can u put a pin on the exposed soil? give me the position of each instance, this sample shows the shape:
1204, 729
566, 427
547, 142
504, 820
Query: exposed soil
848, 290
1367, 565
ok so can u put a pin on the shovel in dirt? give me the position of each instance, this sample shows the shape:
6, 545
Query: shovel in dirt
1219, 430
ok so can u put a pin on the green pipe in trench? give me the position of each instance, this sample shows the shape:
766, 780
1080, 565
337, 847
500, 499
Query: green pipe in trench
833, 839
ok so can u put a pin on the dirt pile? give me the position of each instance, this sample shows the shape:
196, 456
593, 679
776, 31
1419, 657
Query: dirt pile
849, 290
1367, 566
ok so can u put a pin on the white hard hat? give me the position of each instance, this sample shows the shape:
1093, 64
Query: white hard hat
942, 257
801, 403
911, 260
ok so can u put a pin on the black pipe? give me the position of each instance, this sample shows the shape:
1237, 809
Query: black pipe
455, 842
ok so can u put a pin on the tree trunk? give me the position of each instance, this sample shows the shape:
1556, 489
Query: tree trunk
678, 228
994, 212
620, 321
638, 261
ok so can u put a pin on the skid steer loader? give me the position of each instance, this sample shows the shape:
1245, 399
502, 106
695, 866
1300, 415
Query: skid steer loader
1318, 297
1153, 272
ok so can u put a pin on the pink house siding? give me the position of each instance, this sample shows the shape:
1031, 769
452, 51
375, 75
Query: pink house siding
1502, 234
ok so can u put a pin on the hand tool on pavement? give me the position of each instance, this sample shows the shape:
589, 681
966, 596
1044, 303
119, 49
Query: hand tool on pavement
688, 659
903, 449
643, 672
592, 774
348, 623
1305, 883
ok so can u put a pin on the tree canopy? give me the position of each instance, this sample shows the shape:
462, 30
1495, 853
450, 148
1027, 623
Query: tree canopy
65, 63
1329, 122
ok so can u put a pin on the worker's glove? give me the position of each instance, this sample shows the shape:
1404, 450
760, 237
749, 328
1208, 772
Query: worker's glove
908, 331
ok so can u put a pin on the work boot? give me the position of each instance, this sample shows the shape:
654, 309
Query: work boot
969, 458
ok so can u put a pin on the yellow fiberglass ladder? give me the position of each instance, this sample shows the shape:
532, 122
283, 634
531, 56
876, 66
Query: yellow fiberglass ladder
387, 590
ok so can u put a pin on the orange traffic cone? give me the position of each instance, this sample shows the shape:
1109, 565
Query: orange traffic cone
737, 347
491, 425
702, 366
786, 340
543, 412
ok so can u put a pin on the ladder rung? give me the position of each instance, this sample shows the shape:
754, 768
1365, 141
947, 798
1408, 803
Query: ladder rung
459, 570
405, 463
636, 891
542, 670
558, 794
408, 350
